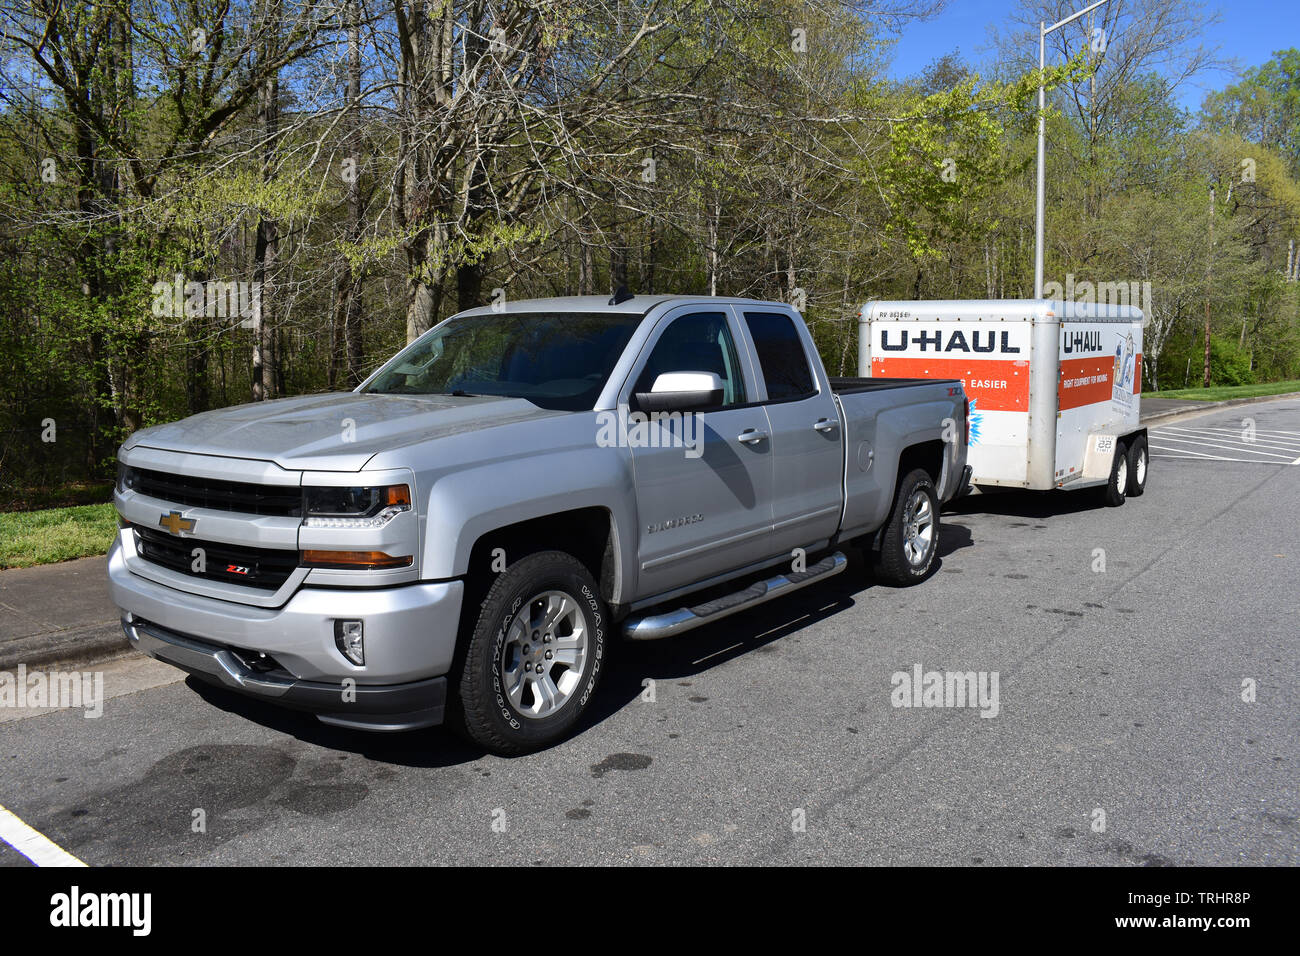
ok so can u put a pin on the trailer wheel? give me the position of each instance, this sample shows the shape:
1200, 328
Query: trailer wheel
1117, 487
1138, 460
909, 540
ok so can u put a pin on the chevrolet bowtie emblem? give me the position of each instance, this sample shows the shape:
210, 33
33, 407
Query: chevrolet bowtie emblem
174, 523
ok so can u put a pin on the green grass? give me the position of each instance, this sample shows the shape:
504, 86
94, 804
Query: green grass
66, 495
28, 538
1218, 393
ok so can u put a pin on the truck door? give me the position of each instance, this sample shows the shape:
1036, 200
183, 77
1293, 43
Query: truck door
807, 436
708, 509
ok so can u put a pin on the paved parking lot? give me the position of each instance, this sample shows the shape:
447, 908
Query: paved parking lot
1147, 667
1236, 438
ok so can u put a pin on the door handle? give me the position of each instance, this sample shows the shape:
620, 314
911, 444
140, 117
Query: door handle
826, 424
751, 435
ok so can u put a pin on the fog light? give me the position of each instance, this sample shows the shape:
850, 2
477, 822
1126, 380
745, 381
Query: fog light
351, 641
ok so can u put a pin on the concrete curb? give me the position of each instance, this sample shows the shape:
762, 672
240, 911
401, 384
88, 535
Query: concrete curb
59, 616
1204, 407
73, 648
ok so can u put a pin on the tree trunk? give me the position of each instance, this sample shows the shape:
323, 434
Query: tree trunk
617, 262
847, 317
428, 61
338, 315
715, 214
197, 353
587, 272
651, 259
355, 276
267, 252
1209, 265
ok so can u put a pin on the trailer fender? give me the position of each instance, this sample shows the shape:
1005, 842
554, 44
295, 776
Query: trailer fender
1099, 455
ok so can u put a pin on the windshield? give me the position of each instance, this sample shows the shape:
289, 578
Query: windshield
554, 359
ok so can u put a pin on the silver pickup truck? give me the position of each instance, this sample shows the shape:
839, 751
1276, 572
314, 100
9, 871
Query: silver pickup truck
461, 537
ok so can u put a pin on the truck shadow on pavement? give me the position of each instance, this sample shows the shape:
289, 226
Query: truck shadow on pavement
749, 632
630, 663
1027, 504
432, 748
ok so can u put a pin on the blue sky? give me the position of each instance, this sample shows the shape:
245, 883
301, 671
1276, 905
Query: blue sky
1249, 31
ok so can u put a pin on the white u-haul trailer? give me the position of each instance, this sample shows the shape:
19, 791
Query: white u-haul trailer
1054, 387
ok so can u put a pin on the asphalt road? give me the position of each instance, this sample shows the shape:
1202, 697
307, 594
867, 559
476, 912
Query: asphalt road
1120, 691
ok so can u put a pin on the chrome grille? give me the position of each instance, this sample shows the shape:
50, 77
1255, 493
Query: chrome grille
264, 568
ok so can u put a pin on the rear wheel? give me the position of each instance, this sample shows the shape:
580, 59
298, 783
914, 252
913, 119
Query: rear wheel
1137, 466
533, 661
1117, 487
909, 540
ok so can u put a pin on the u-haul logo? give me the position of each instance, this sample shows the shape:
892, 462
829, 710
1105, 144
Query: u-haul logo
1075, 342
940, 341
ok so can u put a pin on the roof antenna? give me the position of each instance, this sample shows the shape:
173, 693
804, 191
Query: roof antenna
621, 296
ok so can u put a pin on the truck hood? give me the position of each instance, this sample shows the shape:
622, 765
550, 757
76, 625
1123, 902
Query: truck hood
337, 431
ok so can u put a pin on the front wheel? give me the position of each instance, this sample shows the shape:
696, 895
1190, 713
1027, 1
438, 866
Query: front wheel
909, 541
533, 661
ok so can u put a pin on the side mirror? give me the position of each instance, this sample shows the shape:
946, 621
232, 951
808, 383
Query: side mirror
681, 391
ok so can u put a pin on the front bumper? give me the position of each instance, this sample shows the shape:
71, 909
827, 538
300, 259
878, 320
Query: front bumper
410, 640
363, 706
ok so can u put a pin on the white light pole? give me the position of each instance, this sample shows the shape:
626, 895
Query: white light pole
1043, 30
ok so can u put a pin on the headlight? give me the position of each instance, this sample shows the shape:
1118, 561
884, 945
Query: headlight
354, 507
128, 478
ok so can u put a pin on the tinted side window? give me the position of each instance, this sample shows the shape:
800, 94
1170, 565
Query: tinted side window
697, 343
780, 355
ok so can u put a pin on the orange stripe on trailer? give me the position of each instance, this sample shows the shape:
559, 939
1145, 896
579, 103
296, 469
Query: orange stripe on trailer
1085, 381
996, 385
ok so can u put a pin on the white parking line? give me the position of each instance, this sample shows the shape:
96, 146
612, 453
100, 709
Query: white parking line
1270, 432
1233, 440
1228, 431
33, 845
1225, 427
1235, 435
1193, 456
1228, 434
1241, 447
1196, 455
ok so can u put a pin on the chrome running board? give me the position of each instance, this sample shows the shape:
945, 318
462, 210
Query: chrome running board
649, 627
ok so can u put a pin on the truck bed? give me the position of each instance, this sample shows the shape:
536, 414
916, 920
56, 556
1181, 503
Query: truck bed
850, 386
879, 417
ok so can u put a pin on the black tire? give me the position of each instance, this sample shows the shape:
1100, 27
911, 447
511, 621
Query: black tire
898, 562
482, 708
1117, 486
1139, 463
